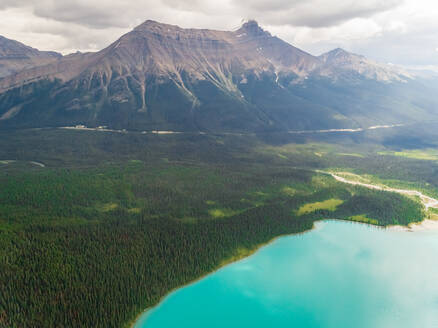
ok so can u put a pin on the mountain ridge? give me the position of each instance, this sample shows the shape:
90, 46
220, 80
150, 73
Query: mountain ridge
342, 60
16, 56
161, 76
279, 53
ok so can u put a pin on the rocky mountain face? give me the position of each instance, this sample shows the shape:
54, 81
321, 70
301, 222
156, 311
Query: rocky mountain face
167, 50
340, 62
161, 76
15, 57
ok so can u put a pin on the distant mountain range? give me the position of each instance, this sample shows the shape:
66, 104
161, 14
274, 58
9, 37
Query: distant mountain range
161, 76
15, 57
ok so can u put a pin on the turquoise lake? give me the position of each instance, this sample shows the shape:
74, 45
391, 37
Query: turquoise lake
339, 275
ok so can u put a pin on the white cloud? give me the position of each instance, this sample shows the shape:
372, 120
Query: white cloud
315, 13
399, 31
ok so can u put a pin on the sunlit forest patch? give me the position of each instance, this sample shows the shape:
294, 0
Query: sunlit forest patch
423, 154
329, 204
363, 219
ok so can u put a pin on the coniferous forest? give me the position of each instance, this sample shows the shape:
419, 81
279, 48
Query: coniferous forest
104, 225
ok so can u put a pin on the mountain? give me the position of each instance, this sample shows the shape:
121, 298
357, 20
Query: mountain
339, 61
165, 49
161, 76
15, 57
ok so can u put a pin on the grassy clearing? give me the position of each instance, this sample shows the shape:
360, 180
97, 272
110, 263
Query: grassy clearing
329, 204
352, 155
289, 191
423, 154
106, 207
219, 213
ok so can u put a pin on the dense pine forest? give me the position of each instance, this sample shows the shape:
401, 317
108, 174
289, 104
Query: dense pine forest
104, 225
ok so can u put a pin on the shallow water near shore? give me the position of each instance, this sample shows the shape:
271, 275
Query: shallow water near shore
340, 274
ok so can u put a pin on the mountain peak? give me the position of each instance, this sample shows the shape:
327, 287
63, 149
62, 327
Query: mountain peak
156, 26
338, 51
250, 23
16, 56
251, 27
337, 55
339, 61
10, 47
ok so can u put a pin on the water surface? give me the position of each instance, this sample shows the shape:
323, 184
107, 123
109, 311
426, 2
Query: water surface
339, 275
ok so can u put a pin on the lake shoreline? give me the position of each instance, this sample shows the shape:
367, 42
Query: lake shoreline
132, 323
296, 280
423, 225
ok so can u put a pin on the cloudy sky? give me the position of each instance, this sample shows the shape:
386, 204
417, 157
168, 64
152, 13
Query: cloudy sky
398, 31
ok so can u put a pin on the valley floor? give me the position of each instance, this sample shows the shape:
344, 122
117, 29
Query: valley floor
110, 223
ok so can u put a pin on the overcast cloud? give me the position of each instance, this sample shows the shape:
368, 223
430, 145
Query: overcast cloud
398, 31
